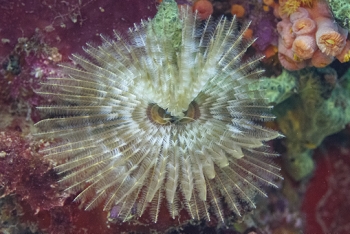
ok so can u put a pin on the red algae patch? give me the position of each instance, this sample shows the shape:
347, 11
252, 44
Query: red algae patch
326, 202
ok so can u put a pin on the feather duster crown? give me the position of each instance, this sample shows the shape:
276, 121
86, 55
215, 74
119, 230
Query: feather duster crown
165, 114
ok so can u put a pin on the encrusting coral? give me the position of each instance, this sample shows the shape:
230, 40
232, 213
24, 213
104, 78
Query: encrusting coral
310, 37
164, 114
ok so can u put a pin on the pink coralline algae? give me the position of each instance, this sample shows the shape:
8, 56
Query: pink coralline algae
24, 173
310, 37
29, 63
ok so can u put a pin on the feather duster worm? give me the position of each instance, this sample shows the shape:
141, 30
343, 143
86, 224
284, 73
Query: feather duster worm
163, 114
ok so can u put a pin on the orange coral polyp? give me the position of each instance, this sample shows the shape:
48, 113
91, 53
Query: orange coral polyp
237, 10
204, 8
287, 58
289, 63
330, 39
331, 42
320, 59
344, 55
284, 28
304, 46
304, 26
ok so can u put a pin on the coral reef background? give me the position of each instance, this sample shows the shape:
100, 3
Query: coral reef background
35, 36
